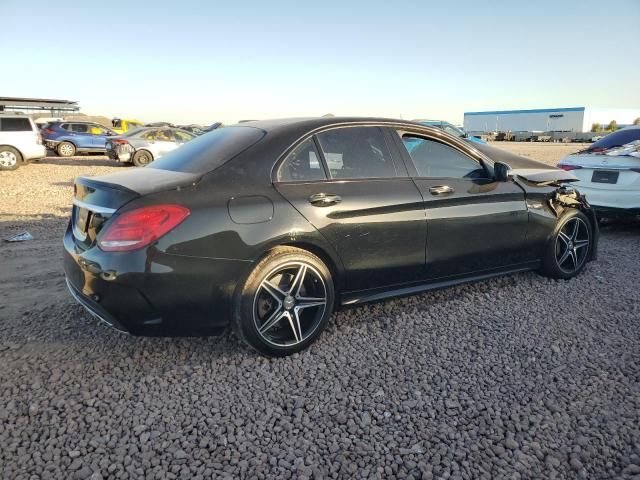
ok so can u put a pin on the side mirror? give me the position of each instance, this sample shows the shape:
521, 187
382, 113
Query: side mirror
501, 171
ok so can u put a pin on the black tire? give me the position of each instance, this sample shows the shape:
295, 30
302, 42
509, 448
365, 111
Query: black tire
10, 158
287, 315
568, 250
66, 149
142, 158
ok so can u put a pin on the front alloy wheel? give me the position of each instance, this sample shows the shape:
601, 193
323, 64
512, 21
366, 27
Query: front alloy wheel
572, 245
285, 303
569, 247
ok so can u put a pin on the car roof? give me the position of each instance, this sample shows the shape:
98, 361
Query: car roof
312, 123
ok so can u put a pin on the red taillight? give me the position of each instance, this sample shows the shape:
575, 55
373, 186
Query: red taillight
568, 167
118, 141
48, 131
138, 228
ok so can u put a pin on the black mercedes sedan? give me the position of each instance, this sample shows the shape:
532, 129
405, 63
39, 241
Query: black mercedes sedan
270, 226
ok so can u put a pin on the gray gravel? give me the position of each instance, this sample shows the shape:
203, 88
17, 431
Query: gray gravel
516, 377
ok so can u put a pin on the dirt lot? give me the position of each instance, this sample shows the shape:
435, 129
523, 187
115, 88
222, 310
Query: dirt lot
516, 377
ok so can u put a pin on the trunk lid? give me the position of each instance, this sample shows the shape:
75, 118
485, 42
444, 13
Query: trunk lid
96, 199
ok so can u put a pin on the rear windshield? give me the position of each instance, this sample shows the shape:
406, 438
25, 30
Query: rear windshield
617, 139
208, 152
15, 125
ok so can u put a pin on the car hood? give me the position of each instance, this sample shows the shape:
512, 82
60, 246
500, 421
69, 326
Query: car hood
531, 170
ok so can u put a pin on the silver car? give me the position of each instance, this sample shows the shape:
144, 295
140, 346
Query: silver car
143, 145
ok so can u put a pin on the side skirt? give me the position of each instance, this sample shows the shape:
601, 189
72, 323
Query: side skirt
368, 296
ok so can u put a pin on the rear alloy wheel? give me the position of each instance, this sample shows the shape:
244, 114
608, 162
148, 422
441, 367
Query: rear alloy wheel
286, 302
10, 158
66, 149
569, 247
142, 158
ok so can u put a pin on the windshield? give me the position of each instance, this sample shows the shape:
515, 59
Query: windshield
616, 139
209, 151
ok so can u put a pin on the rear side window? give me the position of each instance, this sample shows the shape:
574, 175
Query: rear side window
356, 152
435, 159
183, 136
207, 152
302, 164
15, 125
79, 127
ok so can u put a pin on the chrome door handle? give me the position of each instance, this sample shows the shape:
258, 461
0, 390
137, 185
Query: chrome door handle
440, 189
324, 199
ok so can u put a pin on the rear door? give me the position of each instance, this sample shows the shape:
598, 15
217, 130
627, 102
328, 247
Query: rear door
474, 223
346, 183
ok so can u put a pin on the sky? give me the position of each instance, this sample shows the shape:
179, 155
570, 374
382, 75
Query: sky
203, 61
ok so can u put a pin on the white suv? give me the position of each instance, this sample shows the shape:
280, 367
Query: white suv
20, 141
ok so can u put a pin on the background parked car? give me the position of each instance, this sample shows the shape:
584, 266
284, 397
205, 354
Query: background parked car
121, 125
193, 128
214, 126
451, 129
609, 172
160, 124
142, 146
69, 138
20, 141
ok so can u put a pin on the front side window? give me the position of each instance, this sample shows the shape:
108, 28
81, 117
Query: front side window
357, 152
98, 130
435, 159
302, 164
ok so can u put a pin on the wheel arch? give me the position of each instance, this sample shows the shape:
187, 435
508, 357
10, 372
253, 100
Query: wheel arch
332, 264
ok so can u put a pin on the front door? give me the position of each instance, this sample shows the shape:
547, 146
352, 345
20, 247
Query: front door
345, 182
474, 223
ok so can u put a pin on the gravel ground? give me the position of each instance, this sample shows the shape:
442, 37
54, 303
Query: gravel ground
515, 377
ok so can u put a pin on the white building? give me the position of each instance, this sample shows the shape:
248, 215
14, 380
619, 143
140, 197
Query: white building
574, 119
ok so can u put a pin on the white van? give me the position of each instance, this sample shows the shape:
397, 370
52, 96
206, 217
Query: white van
20, 141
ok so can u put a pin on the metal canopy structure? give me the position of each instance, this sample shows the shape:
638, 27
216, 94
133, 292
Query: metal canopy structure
37, 105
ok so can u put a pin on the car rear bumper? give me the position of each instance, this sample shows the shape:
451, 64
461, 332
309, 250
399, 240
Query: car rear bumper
152, 293
34, 152
602, 198
94, 308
